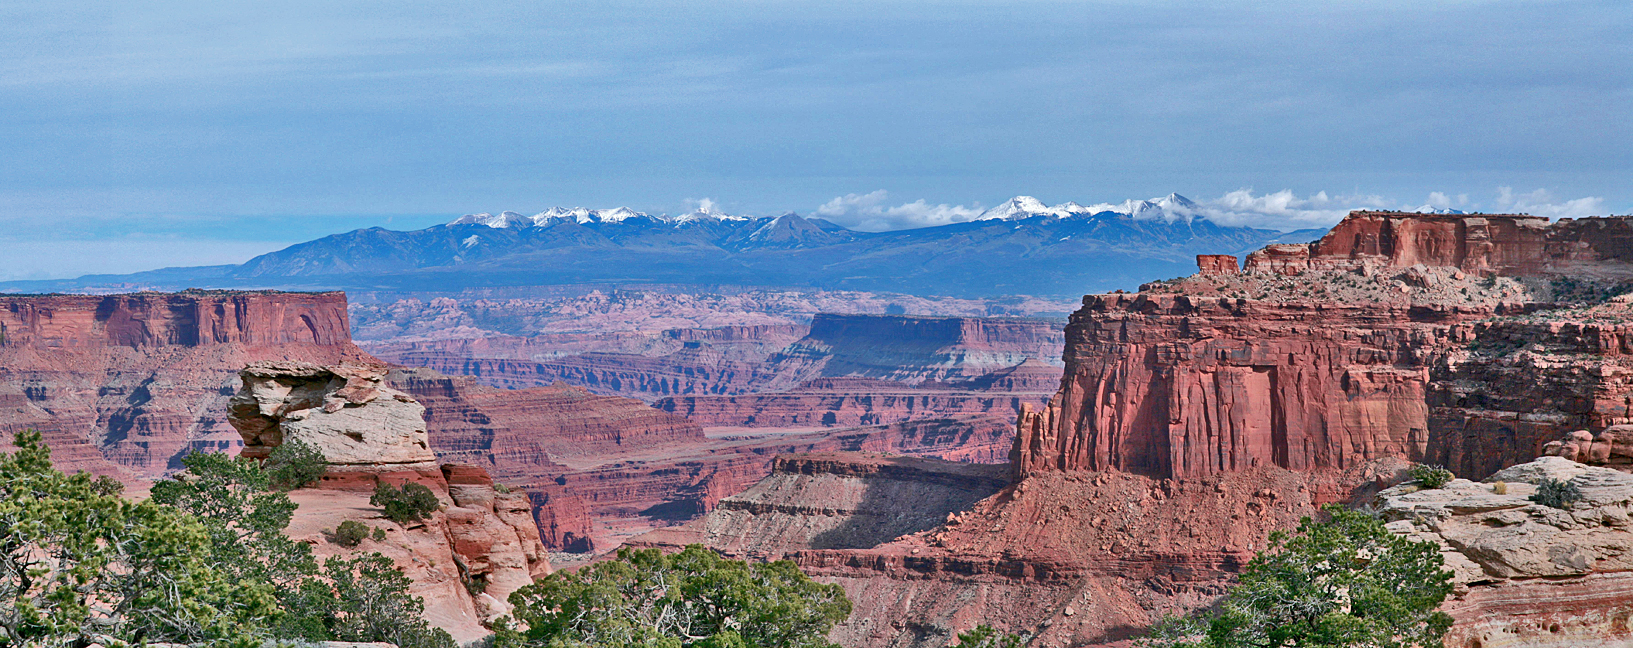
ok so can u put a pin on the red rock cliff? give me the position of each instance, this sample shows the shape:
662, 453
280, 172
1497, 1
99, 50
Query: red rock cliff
120, 384
1176, 386
194, 318
1511, 244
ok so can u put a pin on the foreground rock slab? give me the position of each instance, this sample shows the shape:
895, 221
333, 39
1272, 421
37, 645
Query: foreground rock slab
1528, 574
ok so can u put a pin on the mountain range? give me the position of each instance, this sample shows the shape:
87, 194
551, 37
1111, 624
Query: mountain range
1019, 247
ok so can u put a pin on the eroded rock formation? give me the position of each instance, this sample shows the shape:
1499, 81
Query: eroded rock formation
1182, 386
465, 558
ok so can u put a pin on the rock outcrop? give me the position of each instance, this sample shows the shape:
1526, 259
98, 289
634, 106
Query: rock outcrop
1528, 380
1526, 574
465, 558
124, 384
348, 412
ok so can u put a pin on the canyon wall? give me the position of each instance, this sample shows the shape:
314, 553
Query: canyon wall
123, 384
913, 349
1525, 381
840, 407
1181, 386
1507, 244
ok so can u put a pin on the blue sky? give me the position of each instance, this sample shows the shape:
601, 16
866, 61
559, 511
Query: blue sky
137, 135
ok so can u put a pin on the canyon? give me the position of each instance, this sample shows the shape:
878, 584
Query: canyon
1202, 413
1188, 421
124, 385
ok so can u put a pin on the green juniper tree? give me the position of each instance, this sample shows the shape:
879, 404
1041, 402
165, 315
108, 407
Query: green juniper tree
79, 563
691, 599
1345, 581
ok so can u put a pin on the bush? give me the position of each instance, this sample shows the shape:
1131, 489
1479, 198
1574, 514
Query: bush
410, 503
351, 533
1557, 494
1430, 476
692, 599
379, 534
1347, 581
294, 464
985, 636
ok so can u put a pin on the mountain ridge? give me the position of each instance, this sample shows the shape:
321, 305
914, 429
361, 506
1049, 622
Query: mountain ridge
1020, 247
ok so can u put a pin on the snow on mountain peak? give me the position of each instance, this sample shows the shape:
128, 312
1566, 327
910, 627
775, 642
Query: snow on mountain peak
1020, 208
504, 220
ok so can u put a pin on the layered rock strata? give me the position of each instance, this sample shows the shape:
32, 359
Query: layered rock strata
913, 349
1507, 244
124, 384
602, 468
1181, 386
1526, 574
842, 407
1526, 381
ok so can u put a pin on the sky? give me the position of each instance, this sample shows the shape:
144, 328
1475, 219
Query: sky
136, 135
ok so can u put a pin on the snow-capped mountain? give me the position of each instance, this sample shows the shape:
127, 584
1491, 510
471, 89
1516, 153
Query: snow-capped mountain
1020, 247
1170, 208
553, 215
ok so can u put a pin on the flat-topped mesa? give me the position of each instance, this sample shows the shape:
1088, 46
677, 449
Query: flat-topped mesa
348, 412
192, 318
1503, 244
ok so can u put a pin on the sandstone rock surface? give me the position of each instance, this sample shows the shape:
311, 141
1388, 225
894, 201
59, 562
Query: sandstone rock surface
464, 559
348, 412
1528, 574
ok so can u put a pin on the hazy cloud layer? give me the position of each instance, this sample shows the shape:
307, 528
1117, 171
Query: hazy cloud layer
1281, 210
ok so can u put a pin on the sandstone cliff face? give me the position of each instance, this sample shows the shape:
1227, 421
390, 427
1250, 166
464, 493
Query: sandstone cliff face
465, 559
913, 349
1176, 386
1506, 244
843, 407
1527, 574
1525, 381
123, 384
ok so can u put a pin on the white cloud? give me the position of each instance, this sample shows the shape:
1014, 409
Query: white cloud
1542, 203
868, 212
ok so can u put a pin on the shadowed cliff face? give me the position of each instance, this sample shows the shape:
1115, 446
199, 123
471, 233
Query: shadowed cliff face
123, 384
